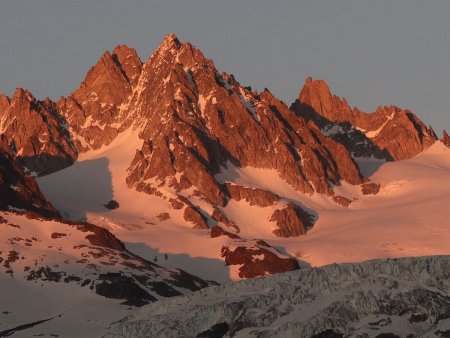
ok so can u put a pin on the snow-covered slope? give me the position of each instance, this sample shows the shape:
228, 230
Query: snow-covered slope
66, 272
406, 218
383, 298
99, 176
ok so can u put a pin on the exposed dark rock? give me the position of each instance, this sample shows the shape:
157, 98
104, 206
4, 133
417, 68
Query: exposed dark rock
56, 235
163, 216
117, 286
18, 190
328, 334
253, 196
370, 188
191, 214
217, 231
445, 138
218, 330
112, 205
342, 200
220, 216
291, 221
258, 260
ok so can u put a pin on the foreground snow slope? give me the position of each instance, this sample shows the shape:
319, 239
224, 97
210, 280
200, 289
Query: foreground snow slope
401, 297
73, 274
408, 217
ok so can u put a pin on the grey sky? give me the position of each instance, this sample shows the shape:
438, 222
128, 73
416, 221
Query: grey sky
372, 52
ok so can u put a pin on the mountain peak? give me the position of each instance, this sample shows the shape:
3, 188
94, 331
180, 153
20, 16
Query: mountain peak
445, 138
21, 93
328, 111
317, 94
128, 61
170, 42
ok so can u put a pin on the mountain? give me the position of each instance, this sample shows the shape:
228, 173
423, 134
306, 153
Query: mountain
197, 120
390, 132
158, 178
192, 123
205, 151
382, 298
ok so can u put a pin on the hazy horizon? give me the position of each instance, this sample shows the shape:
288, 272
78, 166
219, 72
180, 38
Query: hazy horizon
383, 53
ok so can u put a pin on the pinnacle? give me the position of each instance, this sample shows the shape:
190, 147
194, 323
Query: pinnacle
123, 50
170, 41
445, 138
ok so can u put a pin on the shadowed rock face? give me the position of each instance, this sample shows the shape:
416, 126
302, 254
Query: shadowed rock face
389, 132
18, 190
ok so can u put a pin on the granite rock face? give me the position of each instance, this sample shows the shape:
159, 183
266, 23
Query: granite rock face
406, 297
389, 132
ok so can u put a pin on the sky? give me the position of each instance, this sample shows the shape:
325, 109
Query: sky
384, 52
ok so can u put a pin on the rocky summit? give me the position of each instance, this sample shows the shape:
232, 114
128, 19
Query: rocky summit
390, 132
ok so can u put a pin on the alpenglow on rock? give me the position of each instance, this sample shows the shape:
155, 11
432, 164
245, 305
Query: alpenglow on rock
390, 132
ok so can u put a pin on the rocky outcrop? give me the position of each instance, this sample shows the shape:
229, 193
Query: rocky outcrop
18, 190
258, 260
344, 201
254, 196
36, 133
220, 217
253, 258
193, 215
370, 188
217, 231
445, 138
384, 298
291, 221
390, 132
